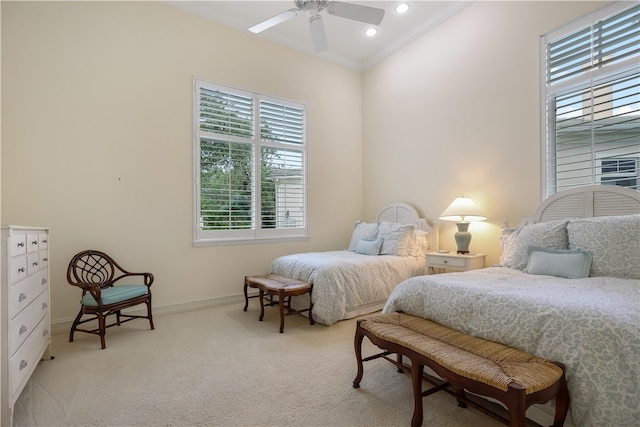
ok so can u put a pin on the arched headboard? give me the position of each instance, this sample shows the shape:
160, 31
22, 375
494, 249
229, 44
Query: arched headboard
587, 201
406, 214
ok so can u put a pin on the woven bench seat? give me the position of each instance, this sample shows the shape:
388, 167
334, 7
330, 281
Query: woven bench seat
511, 376
282, 287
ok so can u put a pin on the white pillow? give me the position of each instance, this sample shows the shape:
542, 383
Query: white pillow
613, 242
552, 235
397, 239
368, 247
363, 230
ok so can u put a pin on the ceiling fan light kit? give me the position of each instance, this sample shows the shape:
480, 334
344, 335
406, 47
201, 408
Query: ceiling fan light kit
355, 12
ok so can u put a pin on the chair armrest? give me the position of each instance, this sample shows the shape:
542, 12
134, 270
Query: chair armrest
147, 277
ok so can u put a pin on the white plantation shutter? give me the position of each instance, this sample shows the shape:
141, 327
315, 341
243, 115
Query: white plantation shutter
250, 183
591, 114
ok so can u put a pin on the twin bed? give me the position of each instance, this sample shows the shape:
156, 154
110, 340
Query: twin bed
590, 322
358, 280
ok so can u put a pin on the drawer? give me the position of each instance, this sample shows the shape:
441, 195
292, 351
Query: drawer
25, 322
43, 241
446, 262
44, 258
22, 294
32, 242
17, 269
27, 357
17, 244
33, 263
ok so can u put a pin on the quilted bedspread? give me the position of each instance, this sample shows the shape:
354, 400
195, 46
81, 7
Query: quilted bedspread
343, 280
591, 325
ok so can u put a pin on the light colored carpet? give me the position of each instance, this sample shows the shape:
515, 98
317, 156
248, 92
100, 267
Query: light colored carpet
221, 367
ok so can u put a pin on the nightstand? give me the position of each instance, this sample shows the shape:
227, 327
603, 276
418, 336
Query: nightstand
454, 261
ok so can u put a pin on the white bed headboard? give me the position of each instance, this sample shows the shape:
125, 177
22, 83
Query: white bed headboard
587, 201
406, 214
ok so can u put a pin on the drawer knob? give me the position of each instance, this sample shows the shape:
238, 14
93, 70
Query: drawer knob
445, 261
44, 305
44, 241
22, 330
45, 332
22, 297
23, 364
35, 264
45, 259
35, 243
21, 270
44, 281
20, 244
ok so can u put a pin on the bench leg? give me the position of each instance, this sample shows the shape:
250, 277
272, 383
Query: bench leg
311, 321
416, 382
562, 403
261, 296
357, 344
281, 298
246, 295
517, 408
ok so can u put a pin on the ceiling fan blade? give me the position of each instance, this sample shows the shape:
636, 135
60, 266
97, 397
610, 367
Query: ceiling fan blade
370, 15
318, 37
274, 20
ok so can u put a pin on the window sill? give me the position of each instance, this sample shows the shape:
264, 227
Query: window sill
252, 241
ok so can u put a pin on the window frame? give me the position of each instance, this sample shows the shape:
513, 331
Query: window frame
592, 78
255, 234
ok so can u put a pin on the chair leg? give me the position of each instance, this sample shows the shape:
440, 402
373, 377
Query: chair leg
149, 314
74, 325
246, 295
102, 330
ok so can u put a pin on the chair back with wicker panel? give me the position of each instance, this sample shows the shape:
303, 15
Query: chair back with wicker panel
104, 292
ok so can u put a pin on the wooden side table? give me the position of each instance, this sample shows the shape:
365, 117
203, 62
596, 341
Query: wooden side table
453, 261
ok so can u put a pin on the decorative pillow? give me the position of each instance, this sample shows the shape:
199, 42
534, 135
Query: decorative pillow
368, 247
572, 264
397, 239
552, 235
421, 242
613, 242
363, 230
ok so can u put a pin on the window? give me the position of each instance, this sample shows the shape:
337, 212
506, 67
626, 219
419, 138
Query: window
250, 166
591, 105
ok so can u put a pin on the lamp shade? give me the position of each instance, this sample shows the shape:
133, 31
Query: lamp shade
462, 209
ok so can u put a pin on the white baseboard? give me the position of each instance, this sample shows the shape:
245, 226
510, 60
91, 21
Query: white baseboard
63, 326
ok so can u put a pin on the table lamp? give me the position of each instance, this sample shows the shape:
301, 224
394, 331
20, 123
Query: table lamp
463, 211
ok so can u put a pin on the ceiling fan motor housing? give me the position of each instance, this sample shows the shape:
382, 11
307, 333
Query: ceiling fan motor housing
311, 6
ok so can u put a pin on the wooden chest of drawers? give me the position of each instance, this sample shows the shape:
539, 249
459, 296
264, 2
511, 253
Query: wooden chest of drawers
26, 324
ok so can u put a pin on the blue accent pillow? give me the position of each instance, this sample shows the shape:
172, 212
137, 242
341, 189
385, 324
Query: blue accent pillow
572, 264
368, 247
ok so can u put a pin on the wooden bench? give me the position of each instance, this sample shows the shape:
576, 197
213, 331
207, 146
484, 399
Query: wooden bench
281, 287
511, 376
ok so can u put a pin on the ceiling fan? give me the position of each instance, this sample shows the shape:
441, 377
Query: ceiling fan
369, 15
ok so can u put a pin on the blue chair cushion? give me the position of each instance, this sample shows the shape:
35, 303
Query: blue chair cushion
116, 294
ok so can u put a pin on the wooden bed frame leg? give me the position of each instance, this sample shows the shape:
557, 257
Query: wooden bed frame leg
416, 381
357, 344
246, 295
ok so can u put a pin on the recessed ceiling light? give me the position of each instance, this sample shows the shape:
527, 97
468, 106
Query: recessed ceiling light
371, 32
402, 8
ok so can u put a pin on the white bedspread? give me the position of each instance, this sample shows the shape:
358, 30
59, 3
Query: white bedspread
591, 325
343, 280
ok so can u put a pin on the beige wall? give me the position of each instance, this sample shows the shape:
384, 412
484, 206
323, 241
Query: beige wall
456, 113
97, 131
97, 139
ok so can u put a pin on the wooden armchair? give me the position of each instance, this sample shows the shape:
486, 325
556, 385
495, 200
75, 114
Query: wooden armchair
96, 273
